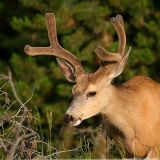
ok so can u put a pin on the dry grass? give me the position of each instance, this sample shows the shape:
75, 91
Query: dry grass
18, 139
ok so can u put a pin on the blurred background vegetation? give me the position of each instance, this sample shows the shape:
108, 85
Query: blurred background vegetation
81, 24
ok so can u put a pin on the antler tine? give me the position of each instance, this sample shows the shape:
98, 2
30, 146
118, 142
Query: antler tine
105, 55
108, 56
120, 18
119, 26
51, 27
55, 49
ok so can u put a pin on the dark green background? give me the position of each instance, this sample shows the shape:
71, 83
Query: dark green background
81, 24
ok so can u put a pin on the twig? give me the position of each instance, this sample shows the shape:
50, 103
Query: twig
13, 87
23, 105
22, 126
4, 146
65, 151
3, 77
13, 149
18, 146
47, 145
4, 85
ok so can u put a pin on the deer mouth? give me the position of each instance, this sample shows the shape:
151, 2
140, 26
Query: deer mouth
71, 120
76, 122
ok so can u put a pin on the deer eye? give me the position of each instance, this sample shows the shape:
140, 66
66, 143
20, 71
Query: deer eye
91, 94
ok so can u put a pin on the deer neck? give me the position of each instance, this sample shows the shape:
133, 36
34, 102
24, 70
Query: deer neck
116, 100
117, 110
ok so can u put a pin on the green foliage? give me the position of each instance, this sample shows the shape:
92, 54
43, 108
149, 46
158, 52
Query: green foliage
81, 25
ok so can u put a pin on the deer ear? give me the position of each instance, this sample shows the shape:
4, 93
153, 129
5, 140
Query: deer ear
67, 69
121, 65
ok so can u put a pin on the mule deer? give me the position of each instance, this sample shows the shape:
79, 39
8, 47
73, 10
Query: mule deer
133, 107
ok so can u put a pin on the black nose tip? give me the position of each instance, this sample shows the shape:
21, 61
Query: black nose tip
68, 118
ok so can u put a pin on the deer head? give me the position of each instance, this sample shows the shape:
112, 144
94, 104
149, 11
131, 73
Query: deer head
92, 90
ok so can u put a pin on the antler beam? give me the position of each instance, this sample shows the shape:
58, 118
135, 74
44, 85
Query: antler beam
55, 49
108, 56
120, 57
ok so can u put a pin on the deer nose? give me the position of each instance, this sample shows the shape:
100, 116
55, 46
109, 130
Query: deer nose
68, 118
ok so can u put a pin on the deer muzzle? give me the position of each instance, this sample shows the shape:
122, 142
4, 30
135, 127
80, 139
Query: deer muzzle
73, 121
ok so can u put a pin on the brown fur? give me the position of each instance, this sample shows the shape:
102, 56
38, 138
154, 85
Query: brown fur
132, 107
135, 110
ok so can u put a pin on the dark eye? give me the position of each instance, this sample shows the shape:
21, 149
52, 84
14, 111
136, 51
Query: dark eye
91, 94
